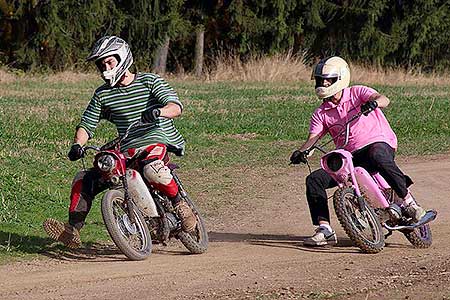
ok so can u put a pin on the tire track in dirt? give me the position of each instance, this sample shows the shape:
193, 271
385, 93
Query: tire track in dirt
257, 251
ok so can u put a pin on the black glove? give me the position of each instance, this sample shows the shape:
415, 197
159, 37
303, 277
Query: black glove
151, 115
76, 152
298, 157
368, 107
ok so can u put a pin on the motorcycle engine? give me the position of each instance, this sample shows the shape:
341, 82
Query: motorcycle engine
395, 212
172, 221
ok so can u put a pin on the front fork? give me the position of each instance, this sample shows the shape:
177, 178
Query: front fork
362, 204
129, 205
352, 183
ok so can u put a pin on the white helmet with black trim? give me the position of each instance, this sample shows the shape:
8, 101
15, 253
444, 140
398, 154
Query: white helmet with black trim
112, 46
334, 68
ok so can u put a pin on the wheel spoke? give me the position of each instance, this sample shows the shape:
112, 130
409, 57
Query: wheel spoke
361, 224
133, 233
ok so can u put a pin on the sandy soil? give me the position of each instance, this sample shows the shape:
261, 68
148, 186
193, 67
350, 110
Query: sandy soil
256, 252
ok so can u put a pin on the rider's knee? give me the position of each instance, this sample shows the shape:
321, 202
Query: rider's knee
157, 172
79, 176
381, 152
315, 178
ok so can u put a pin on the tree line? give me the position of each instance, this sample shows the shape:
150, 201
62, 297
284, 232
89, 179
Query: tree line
178, 35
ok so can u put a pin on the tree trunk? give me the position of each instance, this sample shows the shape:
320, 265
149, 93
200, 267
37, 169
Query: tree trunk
160, 62
199, 44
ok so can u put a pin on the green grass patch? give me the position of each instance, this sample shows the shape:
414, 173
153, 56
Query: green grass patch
225, 125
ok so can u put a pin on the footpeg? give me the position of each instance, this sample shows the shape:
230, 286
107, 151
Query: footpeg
428, 217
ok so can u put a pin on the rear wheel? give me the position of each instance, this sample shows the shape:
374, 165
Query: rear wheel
362, 225
133, 240
197, 240
420, 237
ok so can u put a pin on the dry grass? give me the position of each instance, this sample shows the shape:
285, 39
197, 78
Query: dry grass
395, 77
66, 77
276, 68
72, 77
6, 77
288, 68
260, 69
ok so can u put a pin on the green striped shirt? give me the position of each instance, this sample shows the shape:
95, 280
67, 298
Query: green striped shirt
123, 105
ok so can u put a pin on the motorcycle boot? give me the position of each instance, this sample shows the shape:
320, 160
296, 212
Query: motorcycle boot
62, 232
185, 213
412, 209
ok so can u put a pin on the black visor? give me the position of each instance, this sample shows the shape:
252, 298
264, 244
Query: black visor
320, 80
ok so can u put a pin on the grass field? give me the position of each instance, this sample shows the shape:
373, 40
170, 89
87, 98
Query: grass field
225, 124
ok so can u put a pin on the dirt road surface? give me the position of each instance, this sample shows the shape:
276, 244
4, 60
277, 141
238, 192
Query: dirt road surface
256, 252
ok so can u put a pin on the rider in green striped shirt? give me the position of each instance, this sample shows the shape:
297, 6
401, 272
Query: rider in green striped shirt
125, 105
125, 98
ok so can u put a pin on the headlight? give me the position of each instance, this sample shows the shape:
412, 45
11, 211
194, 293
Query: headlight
334, 162
106, 163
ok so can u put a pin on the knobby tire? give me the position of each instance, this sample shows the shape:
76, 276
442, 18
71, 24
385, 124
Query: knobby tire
367, 245
197, 241
112, 199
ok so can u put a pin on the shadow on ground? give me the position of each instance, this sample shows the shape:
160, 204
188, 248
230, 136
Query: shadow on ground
12, 243
344, 245
30, 244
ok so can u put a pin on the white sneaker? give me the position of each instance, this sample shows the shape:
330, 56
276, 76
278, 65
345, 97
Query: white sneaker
321, 237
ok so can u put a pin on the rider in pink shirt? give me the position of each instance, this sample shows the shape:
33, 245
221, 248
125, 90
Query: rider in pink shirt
371, 142
331, 117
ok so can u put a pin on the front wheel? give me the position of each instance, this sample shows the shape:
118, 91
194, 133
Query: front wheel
361, 224
133, 240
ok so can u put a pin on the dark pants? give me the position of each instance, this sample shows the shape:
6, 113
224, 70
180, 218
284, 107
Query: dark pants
376, 157
86, 185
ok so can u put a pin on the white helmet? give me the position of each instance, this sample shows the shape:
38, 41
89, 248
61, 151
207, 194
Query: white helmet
112, 46
335, 68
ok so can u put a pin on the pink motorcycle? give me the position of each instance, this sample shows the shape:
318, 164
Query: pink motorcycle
365, 204
136, 214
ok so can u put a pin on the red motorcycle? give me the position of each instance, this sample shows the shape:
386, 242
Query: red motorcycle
135, 213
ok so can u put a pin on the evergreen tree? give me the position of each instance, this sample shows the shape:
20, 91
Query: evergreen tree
148, 25
57, 34
425, 25
17, 23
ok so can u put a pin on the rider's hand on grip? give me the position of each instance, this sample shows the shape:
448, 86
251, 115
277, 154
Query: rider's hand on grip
151, 115
298, 157
368, 107
76, 152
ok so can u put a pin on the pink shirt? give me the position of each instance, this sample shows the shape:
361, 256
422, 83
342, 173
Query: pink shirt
330, 118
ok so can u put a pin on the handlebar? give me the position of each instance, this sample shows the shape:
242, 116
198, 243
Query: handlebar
346, 131
117, 141
95, 148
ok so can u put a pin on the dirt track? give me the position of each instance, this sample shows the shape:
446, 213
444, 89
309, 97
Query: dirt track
258, 254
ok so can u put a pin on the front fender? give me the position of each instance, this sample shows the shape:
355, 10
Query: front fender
140, 194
